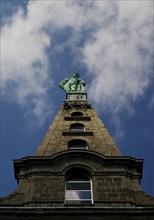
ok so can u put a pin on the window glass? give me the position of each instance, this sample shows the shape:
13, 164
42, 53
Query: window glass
78, 195
78, 185
78, 189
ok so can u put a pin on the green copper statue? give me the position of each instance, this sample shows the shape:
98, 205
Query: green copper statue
73, 84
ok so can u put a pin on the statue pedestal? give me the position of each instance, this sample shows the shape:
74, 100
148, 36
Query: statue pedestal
76, 96
76, 100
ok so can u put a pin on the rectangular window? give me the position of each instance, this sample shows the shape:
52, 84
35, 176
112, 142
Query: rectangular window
78, 191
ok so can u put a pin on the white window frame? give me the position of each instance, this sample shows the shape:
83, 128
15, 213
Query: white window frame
91, 192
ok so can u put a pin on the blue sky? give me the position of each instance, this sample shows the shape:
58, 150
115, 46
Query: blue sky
109, 42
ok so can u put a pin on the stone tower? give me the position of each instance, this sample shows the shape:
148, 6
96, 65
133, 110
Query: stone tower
77, 171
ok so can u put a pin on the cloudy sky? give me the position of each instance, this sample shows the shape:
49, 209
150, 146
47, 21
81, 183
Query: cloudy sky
109, 42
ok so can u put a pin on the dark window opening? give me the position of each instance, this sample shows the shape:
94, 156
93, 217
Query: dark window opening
77, 144
77, 127
77, 114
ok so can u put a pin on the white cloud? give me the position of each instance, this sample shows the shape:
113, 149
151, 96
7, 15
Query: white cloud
115, 39
24, 64
115, 58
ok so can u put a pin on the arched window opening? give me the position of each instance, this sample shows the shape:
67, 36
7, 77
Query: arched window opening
78, 187
77, 144
77, 127
77, 114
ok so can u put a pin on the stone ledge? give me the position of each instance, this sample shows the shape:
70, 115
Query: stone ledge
84, 133
77, 118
